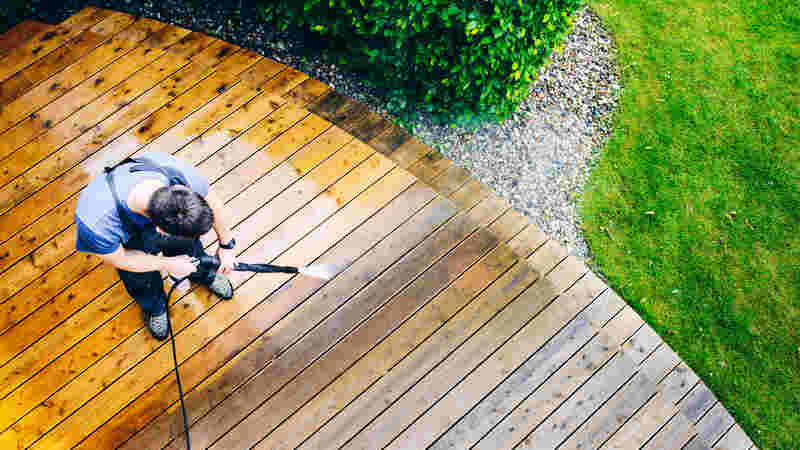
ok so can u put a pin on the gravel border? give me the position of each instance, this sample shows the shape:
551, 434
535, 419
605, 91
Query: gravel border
539, 159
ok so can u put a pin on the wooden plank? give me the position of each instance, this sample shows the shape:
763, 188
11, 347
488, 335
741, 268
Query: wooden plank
165, 37
452, 179
429, 166
660, 363
525, 379
714, 424
675, 434
79, 177
45, 42
654, 412
697, 444
734, 439
697, 403
64, 81
198, 95
614, 413
244, 336
370, 126
391, 140
529, 342
310, 90
591, 397
362, 306
563, 383
679, 382
477, 348
397, 346
110, 278
644, 341
92, 127
214, 53
236, 371
120, 393
19, 34
509, 225
527, 240
643, 425
38, 72
408, 153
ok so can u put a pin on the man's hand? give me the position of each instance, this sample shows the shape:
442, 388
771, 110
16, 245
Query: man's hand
179, 266
227, 260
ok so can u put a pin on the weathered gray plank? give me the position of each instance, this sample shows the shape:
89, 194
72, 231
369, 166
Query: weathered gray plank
714, 424
699, 400
608, 419
679, 382
531, 412
675, 434
527, 378
644, 341
734, 439
583, 404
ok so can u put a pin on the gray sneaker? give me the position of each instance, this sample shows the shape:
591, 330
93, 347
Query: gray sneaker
158, 325
221, 286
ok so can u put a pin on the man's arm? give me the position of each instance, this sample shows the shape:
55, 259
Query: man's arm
139, 261
135, 260
222, 218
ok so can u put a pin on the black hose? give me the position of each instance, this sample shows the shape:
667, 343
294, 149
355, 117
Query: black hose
175, 360
242, 267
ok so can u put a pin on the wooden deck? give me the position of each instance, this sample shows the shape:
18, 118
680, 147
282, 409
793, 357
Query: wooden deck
453, 323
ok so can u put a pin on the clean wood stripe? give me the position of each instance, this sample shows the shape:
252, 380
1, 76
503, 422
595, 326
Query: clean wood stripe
197, 96
33, 168
19, 34
46, 41
110, 280
22, 82
64, 81
229, 101
192, 128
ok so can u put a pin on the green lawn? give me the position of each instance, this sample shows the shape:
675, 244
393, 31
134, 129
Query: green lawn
693, 212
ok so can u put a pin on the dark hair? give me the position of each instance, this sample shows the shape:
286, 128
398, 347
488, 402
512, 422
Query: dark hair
180, 211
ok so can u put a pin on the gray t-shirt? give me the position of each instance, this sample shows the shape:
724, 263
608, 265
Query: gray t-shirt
100, 228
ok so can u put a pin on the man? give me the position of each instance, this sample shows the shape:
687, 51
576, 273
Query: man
154, 203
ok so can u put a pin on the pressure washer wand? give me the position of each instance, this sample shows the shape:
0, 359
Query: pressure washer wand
210, 264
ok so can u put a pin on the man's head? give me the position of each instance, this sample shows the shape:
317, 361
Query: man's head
180, 212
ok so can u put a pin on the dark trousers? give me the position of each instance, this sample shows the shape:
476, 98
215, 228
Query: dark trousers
147, 288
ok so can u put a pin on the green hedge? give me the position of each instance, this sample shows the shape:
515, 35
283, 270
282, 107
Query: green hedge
464, 61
